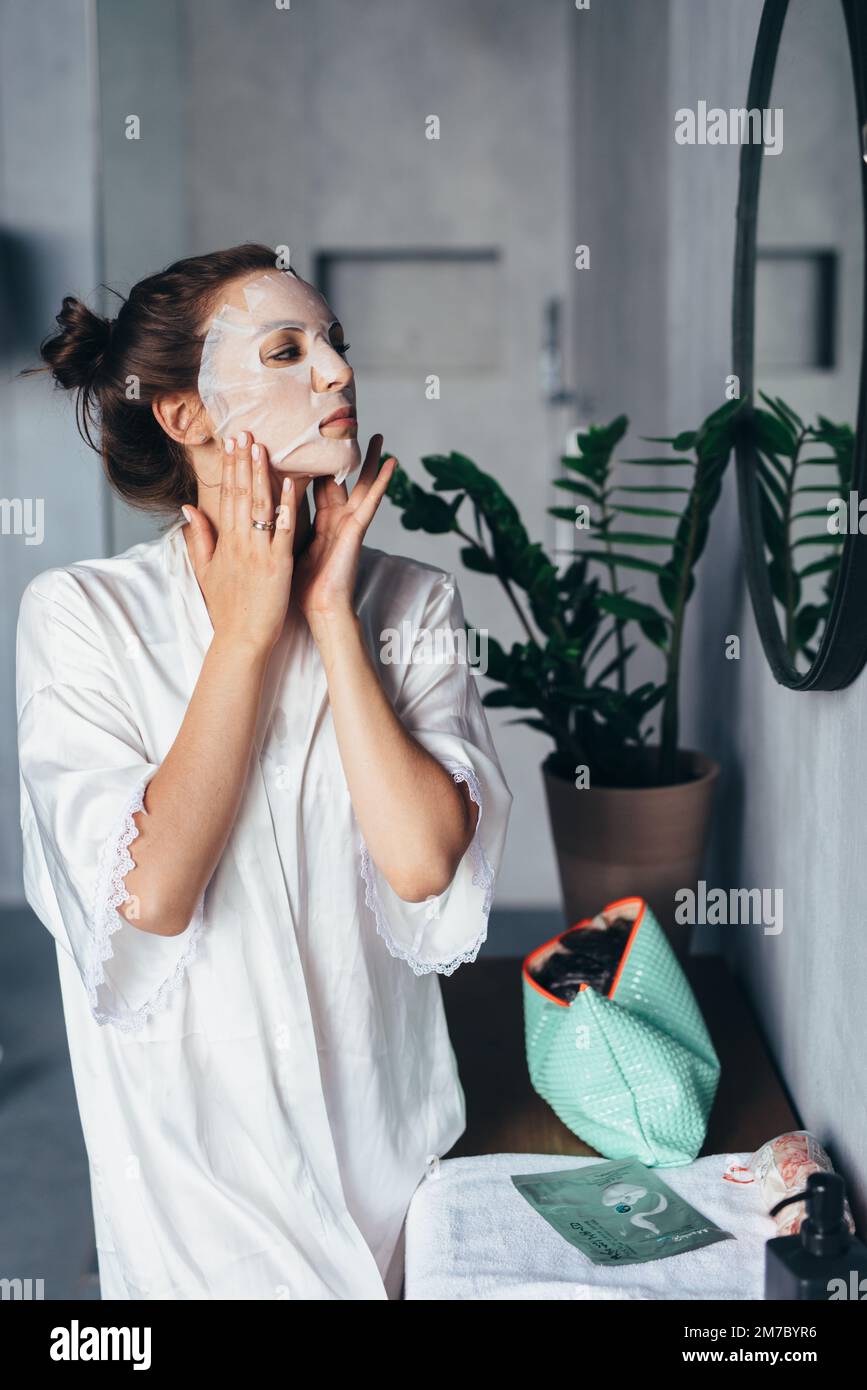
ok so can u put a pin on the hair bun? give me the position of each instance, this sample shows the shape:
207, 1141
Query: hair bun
76, 353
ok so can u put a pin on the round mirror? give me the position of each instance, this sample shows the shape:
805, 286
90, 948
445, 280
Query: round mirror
798, 331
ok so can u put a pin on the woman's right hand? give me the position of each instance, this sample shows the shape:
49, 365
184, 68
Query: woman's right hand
193, 798
245, 573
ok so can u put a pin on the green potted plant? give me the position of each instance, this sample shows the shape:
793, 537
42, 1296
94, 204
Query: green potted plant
628, 816
787, 477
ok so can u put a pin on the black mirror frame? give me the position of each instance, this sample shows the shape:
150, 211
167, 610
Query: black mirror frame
843, 645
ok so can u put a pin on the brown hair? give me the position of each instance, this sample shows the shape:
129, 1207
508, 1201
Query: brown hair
156, 340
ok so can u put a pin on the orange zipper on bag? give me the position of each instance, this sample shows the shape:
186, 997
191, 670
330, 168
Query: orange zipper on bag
610, 907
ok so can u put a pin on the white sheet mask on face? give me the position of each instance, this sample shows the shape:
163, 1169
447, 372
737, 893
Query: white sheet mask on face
278, 403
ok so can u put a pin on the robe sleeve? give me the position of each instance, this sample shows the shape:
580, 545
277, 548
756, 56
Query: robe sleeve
439, 704
84, 772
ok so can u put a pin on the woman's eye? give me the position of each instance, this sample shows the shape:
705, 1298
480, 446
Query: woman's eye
289, 353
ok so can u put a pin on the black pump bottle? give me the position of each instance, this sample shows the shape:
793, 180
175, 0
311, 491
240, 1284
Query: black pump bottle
824, 1260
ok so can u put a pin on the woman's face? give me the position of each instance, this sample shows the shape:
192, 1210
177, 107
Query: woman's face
274, 363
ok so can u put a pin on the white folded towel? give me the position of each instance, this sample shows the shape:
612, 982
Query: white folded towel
471, 1235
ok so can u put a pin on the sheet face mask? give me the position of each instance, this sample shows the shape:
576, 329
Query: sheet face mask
278, 403
618, 1212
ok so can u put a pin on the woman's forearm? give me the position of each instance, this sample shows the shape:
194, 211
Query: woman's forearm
192, 799
416, 821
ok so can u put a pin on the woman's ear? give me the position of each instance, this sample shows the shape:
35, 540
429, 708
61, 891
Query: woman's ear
183, 417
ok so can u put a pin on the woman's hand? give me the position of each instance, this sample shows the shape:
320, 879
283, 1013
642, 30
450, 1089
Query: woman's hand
325, 571
245, 573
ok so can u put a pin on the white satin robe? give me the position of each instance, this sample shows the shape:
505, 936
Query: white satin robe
260, 1095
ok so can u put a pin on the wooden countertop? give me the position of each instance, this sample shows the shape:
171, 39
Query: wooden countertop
504, 1115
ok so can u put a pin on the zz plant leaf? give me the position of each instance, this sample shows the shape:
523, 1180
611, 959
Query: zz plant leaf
570, 670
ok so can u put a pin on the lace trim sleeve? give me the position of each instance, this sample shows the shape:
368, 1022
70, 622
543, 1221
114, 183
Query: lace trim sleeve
483, 877
115, 863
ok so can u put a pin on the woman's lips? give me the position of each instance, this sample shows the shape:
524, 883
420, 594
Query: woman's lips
342, 423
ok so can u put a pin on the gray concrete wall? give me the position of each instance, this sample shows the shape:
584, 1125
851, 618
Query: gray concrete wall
144, 207
804, 757
711, 54
307, 128
652, 318
311, 135
655, 332
796, 768
49, 247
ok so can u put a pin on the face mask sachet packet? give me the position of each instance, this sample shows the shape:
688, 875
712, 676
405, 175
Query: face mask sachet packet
618, 1212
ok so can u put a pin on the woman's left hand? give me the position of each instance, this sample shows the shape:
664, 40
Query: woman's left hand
324, 578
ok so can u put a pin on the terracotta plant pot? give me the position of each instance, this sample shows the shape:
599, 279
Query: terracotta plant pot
643, 842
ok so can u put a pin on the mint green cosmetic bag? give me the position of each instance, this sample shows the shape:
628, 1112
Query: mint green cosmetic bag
626, 1064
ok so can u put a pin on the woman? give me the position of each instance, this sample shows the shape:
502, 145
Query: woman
255, 842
